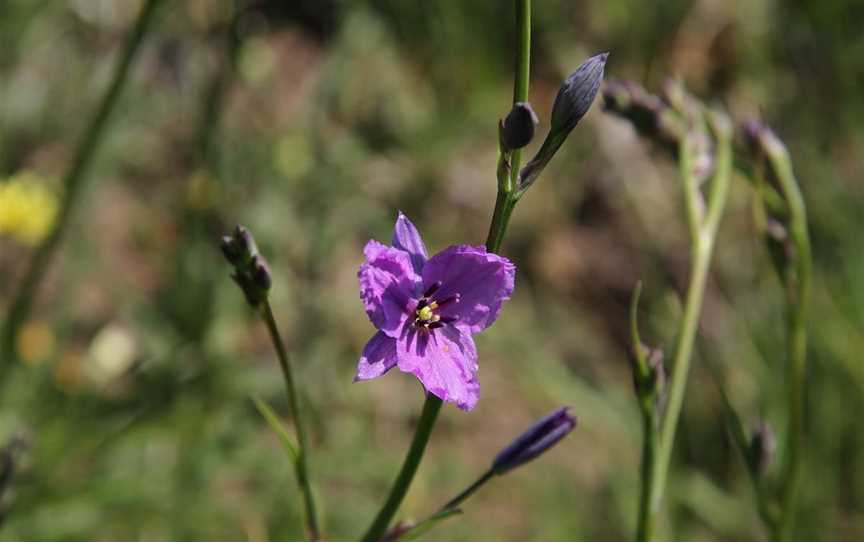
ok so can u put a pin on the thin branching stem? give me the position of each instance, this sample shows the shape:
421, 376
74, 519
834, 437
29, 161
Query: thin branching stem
798, 295
703, 233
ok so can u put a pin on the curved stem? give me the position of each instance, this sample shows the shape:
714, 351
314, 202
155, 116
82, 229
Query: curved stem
798, 293
409, 468
681, 367
19, 309
302, 464
703, 234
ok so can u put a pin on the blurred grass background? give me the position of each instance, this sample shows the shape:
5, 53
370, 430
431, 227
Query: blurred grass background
312, 122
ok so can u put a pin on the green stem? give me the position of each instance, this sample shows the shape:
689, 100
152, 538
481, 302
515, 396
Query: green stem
457, 500
507, 196
681, 368
20, 307
504, 204
645, 525
409, 468
647, 397
798, 293
703, 234
302, 465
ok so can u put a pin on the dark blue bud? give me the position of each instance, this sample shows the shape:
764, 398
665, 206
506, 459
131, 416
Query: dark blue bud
518, 127
577, 93
541, 436
574, 98
251, 272
230, 250
261, 273
244, 241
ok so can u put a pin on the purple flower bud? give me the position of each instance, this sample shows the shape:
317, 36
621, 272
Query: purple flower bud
244, 241
230, 250
572, 102
251, 272
261, 273
577, 94
518, 127
763, 444
541, 436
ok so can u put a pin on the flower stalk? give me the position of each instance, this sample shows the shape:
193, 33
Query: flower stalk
252, 275
73, 182
510, 161
532, 443
504, 204
795, 271
302, 464
409, 468
648, 384
703, 232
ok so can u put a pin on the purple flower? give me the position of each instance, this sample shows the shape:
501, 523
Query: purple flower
427, 309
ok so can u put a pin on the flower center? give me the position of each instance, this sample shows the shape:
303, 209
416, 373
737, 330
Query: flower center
426, 314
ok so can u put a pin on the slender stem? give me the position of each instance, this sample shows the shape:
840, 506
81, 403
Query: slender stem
523, 73
507, 196
409, 468
681, 368
457, 500
645, 525
691, 193
19, 309
703, 234
302, 465
798, 294
504, 204
647, 397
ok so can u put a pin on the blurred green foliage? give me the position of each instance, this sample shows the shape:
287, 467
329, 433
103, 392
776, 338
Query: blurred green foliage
312, 123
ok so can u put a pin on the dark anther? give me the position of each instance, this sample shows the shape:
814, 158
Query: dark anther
436, 325
422, 303
447, 319
446, 301
432, 289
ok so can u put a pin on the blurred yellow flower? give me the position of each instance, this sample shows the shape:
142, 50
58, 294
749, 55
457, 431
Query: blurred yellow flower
28, 207
35, 342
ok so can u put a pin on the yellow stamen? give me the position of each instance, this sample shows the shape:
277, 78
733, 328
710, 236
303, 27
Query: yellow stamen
425, 313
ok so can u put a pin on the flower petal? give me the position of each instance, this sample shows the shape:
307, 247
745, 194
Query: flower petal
388, 286
407, 238
379, 356
445, 362
481, 279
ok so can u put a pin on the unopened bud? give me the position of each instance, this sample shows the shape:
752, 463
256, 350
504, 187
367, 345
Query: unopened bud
518, 128
574, 98
251, 272
261, 273
230, 250
541, 436
763, 444
244, 240
577, 94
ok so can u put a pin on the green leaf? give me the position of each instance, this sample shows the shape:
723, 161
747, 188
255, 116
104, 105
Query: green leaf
278, 428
